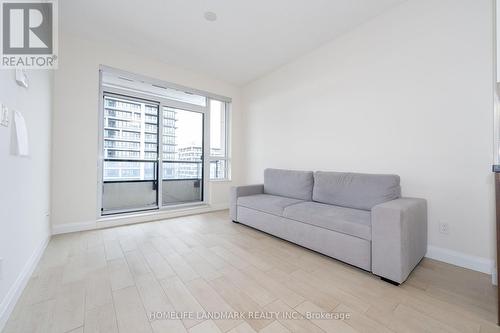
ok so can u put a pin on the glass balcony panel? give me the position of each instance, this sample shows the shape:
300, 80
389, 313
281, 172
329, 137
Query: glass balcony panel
179, 191
129, 185
128, 195
218, 169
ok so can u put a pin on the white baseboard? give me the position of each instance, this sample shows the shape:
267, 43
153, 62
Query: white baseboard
479, 264
118, 220
73, 227
17, 288
219, 206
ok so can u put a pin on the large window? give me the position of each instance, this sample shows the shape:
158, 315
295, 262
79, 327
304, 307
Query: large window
160, 145
219, 160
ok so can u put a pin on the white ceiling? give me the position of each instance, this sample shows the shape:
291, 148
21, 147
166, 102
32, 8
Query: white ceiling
249, 38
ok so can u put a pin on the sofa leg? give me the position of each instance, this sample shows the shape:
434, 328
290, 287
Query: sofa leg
235, 221
389, 281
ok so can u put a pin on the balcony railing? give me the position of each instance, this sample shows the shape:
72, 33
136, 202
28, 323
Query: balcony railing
140, 192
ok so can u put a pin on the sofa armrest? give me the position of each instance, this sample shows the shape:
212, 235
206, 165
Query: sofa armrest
242, 191
399, 237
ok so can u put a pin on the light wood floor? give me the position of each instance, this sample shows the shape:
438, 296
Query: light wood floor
111, 280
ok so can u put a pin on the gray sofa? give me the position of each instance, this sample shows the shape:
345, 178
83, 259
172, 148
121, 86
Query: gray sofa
360, 219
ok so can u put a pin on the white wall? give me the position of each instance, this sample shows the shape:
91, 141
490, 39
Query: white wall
409, 92
24, 183
75, 124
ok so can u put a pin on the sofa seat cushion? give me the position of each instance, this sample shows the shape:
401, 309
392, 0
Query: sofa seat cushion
267, 203
348, 221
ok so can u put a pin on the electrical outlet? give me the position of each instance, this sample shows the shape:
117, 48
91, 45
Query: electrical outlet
444, 228
4, 115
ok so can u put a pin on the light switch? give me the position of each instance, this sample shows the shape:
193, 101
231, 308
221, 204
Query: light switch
4, 115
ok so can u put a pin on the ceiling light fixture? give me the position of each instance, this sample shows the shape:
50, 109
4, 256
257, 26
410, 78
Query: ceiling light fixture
210, 16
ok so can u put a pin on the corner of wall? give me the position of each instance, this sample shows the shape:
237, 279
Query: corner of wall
14, 293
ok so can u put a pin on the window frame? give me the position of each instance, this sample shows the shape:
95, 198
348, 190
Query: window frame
205, 110
227, 148
496, 86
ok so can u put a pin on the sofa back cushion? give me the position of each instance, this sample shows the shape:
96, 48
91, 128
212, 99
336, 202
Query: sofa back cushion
355, 190
289, 183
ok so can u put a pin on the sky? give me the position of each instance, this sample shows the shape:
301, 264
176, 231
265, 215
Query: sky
190, 127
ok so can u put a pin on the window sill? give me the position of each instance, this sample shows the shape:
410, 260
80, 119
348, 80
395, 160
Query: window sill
220, 180
140, 217
152, 212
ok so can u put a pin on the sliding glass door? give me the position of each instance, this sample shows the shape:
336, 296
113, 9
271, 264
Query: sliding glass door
130, 154
153, 153
182, 163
